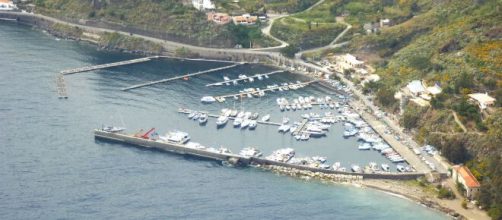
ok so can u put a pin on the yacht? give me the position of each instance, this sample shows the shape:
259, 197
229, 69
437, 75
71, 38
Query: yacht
265, 118
112, 129
222, 120
207, 99
283, 128
252, 124
250, 152
191, 115
355, 168
177, 137
203, 118
364, 146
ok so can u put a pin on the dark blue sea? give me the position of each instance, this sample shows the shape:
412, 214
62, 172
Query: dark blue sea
51, 167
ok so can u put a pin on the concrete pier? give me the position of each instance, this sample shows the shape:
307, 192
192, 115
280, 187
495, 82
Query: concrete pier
238, 159
103, 66
61, 87
179, 77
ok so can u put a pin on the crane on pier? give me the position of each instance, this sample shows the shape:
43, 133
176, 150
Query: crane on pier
145, 135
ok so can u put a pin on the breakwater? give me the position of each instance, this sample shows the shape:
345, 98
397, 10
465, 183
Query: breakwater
235, 159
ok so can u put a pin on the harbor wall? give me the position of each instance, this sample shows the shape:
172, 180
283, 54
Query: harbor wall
237, 159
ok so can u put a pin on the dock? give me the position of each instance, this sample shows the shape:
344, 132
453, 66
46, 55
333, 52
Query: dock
222, 97
61, 86
188, 111
238, 80
182, 149
103, 66
180, 77
300, 128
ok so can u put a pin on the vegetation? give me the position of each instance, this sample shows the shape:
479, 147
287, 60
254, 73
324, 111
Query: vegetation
445, 193
167, 19
273, 6
458, 45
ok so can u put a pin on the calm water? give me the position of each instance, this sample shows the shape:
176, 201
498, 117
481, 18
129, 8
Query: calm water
53, 168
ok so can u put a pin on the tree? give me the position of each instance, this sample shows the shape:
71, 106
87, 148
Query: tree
309, 24
411, 117
385, 97
290, 50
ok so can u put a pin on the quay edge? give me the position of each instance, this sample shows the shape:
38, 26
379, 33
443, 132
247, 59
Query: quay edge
237, 159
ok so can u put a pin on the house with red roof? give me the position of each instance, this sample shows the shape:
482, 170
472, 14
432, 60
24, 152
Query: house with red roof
461, 174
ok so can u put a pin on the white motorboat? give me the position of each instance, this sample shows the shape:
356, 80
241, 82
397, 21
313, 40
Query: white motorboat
355, 168
265, 117
400, 168
251, 79
203, 118
112, 129
252, 124
226, 79
245, 123
243, 77
222, 120
237, 122
266, 76
207, 99
259, 77
284, 128
285, 120
177, 137
235, 82
385, 167
364, 146
191, 115
250, 152
196, 116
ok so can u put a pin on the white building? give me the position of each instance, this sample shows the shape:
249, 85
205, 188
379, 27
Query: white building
203, 5
482, 99
415, 87
7, 5
462, 175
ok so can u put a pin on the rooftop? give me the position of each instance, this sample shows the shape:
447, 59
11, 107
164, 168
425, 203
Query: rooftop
482, 98
466, 174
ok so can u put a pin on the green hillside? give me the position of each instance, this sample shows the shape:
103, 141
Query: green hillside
168, 19
457, 44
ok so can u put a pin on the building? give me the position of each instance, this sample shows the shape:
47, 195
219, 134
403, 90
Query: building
415, 87
482, 99
7, 5
203, 5
245, 19
462, 174
385, 23
218, 18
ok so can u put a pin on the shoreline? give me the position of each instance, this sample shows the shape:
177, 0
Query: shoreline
436, 206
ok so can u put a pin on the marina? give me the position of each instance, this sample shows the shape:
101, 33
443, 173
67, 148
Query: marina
186, 76
260, 92
258, 76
